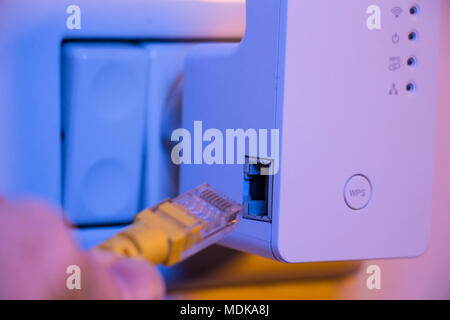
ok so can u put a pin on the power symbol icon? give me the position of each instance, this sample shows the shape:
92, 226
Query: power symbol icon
396, 38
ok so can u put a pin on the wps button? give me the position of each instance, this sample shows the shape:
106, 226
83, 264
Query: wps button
358, 192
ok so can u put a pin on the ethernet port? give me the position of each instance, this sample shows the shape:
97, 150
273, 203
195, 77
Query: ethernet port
257, 190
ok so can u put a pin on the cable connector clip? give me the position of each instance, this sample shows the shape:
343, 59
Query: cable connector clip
174, 230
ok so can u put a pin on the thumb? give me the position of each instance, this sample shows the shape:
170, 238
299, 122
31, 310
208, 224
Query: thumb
138, 279
120, 278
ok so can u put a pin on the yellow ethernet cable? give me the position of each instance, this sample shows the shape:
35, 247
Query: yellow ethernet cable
176, 229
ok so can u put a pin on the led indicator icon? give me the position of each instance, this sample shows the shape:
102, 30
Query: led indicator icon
394, 63
397, 11
396, 38
393, 91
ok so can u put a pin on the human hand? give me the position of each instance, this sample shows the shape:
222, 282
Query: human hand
36, 249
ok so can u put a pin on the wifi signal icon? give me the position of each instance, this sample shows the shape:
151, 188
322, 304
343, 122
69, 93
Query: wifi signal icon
397, 11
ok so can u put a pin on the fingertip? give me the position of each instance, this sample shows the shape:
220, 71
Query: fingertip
103, 257
138, 280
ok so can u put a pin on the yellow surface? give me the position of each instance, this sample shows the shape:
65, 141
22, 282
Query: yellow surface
220, 273
295, 290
